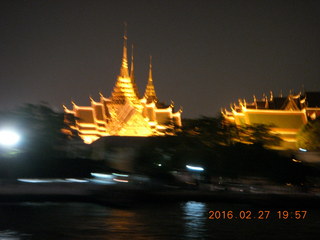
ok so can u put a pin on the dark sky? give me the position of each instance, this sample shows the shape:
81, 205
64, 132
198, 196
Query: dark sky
206, 54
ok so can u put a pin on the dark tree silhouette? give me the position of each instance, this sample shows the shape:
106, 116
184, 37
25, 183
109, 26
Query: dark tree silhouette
309, 136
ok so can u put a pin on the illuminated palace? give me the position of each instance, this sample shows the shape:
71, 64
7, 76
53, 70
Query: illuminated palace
124, 113
285, 115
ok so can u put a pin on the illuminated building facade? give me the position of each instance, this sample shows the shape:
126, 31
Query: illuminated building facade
285, 115
125, 113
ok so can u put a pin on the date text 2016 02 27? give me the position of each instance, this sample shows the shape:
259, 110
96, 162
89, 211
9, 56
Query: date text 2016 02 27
259, 214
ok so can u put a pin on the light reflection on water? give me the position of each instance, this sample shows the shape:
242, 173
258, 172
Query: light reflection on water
187, 220
195, 218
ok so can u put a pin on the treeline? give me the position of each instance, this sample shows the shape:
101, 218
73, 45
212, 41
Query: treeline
50, 148
44, 146
223, 150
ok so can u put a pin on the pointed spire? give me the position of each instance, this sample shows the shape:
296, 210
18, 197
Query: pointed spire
132, 65
124, 66
150, 69
133, 81
150, 93
124, 89
255, 101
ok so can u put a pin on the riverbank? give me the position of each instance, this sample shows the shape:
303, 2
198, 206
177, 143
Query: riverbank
136, 193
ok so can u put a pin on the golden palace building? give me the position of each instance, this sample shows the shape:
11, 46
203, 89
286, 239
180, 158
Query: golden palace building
285, 115
124, 113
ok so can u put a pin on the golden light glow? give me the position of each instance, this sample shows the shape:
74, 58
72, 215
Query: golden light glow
286, 119
124, 113
88, 139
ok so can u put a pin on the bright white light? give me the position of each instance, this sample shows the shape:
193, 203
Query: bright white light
303, 150
194, 168
9, 138
101, 175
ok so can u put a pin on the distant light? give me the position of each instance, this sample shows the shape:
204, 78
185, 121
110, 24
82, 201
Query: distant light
101, 175
295, 160
194, 168
303, 150
159, 164
120, 175
41, 180
76, 180
33, 180
120, 180
9, 138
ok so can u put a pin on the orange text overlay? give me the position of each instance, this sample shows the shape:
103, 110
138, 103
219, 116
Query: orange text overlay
258, 214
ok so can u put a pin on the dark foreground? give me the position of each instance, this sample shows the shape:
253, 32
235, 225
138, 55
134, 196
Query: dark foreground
129, 192
175, 220
121, 209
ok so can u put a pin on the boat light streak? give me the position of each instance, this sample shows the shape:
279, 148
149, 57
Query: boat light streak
120, 175
194, 168
120, 180
101, 175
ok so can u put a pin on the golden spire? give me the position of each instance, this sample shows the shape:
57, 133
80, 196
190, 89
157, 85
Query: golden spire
124, 66
124, 89
150, 93
132, 67
132, 74
271, 96
150, 69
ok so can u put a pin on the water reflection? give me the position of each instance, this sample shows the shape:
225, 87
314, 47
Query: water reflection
195, 219
125, 223
188, 220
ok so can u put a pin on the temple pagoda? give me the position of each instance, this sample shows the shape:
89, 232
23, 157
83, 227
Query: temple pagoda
285, 114
124, 113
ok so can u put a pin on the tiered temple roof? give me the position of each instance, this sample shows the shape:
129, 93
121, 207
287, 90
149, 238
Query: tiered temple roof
150, 93
286, 115
124, 113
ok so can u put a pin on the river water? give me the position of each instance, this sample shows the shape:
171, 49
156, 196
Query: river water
184, 220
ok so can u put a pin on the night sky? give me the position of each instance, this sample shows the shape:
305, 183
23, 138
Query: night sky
206, 54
